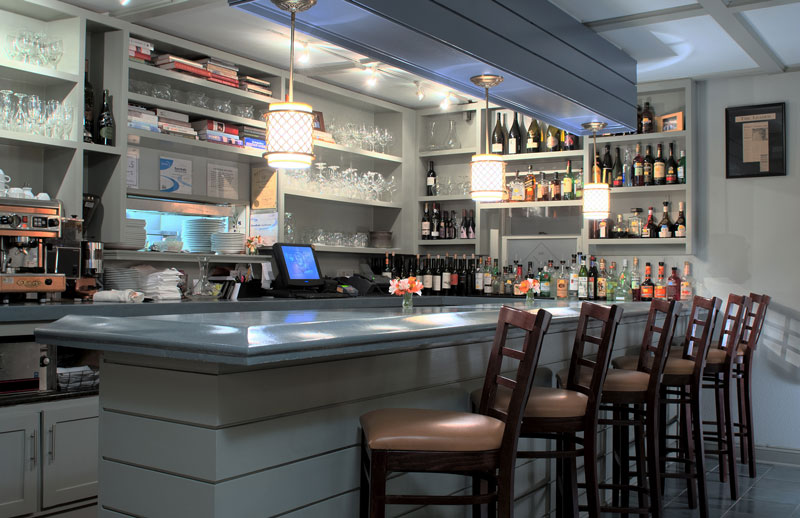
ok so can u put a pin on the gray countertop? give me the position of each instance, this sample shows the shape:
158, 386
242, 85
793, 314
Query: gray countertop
248, 336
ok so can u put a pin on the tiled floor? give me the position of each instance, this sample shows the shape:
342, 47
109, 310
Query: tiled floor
775, 493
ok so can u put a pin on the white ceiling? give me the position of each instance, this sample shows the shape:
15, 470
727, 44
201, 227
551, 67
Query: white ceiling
670, 39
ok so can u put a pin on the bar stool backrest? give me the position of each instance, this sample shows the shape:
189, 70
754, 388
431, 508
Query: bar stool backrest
608, 317
535, 326
702, 320
755, 321
730, 335
653, 356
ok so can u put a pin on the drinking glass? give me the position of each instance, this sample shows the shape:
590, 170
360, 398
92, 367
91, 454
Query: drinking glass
431, 145
245, 110
222, 105
55, 50
34, 111
51, 119
11, 47
162, 91
6, 108
68, 119
39, 49
288, 227
18, 118
198, 99
24, 43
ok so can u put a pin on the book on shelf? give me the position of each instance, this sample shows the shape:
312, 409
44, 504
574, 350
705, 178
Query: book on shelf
143, 126
143, 116
174, 128
211, 125
255, 143
169, 114
222, 71
174, 122
323, 136
183, 67
136, 42
223, 80
220, 63
255, 81
136, 48
255, 89
139, 55
138, 60
179, 134
218, 136
162, 59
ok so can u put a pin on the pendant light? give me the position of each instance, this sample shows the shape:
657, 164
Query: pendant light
596, 194
488, 170
290, 125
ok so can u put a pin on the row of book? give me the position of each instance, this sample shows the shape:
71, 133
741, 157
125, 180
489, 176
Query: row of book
140, 51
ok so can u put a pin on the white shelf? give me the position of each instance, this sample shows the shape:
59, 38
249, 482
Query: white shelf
91, 147
193, 110
191, 198
641, 137
354, 250
543, 236
188, 146
325, 150
341, 199
18, 138
198, 81
448, 152
640, 241
445, 197
178, 257
678, 187
530, 204
446, 242
35, 74
545, 155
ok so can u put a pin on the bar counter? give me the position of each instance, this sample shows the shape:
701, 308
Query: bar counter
255, 413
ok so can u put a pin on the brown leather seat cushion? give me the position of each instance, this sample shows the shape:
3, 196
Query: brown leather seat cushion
412, 429
679, 367
616, 380
625, 362
543, 402
717, 355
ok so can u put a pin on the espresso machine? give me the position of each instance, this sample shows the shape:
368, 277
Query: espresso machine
26, 226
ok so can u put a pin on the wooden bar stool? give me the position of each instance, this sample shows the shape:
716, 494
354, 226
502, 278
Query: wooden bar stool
681, 385
718, 376
636, 393
559, 414
481, 445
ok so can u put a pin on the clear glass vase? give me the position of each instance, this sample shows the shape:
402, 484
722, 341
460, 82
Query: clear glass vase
529, 299
408, 300
452, 141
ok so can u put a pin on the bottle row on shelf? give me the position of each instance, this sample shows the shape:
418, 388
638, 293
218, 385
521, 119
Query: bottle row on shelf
636, 170
635, 227
439, 225
537, 138
580, 280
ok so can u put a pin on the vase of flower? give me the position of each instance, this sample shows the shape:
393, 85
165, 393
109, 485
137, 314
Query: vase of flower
529, 300
408, 301
527, 287
406, 288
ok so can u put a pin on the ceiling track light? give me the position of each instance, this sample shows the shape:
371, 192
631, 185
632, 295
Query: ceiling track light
420, 93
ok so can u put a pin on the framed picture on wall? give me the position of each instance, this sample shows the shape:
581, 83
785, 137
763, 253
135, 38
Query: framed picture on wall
670, 122
755, 141
319, 122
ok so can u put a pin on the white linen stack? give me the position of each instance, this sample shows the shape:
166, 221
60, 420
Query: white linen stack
159, 285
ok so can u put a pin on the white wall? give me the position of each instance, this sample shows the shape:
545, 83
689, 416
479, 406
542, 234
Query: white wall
747, 240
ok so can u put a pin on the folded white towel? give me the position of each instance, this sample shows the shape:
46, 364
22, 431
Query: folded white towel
118, 296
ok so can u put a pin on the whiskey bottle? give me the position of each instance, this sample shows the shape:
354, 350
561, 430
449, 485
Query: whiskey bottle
672, 167
659, 167
649, 162
638, 167
674, 285
636, 281
601, 280
648, 287
660, 288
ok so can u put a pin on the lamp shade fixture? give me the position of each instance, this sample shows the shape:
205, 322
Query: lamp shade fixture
488, 178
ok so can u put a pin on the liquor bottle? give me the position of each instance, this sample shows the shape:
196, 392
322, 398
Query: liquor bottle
542, 189
427, 277
517, 188
417, 271
498, 138
437, 276
636, 281
396, 274
635, 225
592, 287
533, 143
387, 270
611, 282
570, 142
650, 229
583, 281
508, 281
648, 119
638, 118
426, 223
443, 225
607, 164
497, 280
627, 169
682, 167
88, 107
672, 167
487, 277
468, 276
638, 167
572, 288
530, 185
647, 285
477, 286
568, 183
619, 231
679, 229
660, 288
555, 188
544, 283
665, 226
602, 278
623, 292
452, 231
552, 143
537, 286
471, 226
649, 163
105, 124
687, 284
674, 285
562, 283
435, 219
617, 179
659, 167
577, 185
463, 232
518, 278
430, 180
446, 275
514, 138
603, 229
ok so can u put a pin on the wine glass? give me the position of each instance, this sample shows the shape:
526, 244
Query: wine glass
18, 119
55, 50
24, 43
6, 108
68, 119
11, 47
33, 109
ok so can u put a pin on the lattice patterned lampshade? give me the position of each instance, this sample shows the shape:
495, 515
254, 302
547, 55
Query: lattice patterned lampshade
290, 143
596, 201
488, 178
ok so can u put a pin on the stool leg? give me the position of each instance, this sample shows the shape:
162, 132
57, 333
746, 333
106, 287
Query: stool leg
662, 436
590, 471
616, 451
624, 459
364, 487
492, 488
476, 490
570, 490
687, 445
377, 485
653, 459
505, 494
730, 445
696, 424
641, 475
719, 404
560, 471
747, 377
743, 425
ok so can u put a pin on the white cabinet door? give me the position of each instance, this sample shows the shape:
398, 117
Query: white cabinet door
70, 454
20, 456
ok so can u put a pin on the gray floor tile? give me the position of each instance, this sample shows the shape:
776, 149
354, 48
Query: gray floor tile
745, 508
777, 472
778, 491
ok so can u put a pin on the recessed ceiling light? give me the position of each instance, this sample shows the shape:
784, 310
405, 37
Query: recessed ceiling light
372, 80
420, 93
445, 104
305, 54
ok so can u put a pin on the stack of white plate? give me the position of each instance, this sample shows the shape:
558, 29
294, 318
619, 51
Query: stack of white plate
121, 279
227, 242
134, 236
196, 233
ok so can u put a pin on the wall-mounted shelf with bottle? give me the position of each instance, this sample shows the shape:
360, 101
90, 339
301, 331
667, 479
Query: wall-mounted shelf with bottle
530, 204
545, 155
639, 241
448, 152
678, 187
445, 242
341, 199
642, 137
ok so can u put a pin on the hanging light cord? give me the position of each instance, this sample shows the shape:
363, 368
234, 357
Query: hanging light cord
291, 59
488, 147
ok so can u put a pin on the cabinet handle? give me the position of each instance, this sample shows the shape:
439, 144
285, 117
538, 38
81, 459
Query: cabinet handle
52, 443
33, 447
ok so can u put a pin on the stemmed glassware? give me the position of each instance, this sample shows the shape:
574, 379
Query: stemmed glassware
6, 108
34, 48
28, 113
18, 123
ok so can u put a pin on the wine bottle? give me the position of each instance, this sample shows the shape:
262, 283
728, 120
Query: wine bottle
443, 226
552, 143
592, 288
616, 171
435, 219
88, 107
648, 119
469, 277
427, 277
638, 167
659, 167
395, 268
555, 188
462, 229
649, 162
452, 231
426, 223
665, 226
430, 180
570, 142
533, 144
387, 270
437, 277
638, 118
672, 167
583, 281
636, 281
498, 138
682, 167
105, 123
471, 226
679, 230
477, 287
607, 165
568, 183
446, 275
514, 138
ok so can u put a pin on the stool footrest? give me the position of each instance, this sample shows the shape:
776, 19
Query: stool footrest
440, 500
679, 475
549, 454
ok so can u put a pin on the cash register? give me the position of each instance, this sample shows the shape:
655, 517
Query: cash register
298, 274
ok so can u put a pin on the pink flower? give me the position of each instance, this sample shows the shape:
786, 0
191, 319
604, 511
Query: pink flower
403, 286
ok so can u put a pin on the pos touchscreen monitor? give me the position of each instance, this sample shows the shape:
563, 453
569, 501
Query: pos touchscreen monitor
297, 266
